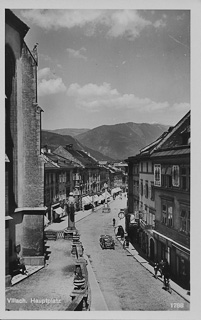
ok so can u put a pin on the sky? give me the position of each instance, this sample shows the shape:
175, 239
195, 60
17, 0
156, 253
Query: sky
110, 66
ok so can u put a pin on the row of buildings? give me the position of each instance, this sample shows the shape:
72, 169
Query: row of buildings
158, 215
69, 170
37, 180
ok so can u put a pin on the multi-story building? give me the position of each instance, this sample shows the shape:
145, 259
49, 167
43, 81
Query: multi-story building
162, 201
141, 200
86, 176
58, 182
171, 162
24, 164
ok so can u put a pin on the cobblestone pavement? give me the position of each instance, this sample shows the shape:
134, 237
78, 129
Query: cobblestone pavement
124, 282
48, 289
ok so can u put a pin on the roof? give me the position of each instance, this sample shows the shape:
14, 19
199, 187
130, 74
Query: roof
171, 152
175, 129
83, 157
152, 145
15, 22
54, 160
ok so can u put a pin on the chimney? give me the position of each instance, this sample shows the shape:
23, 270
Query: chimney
69, 146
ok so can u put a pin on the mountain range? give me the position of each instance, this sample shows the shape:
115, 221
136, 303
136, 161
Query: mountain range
69, 131
122, 140
53, 140
107, 142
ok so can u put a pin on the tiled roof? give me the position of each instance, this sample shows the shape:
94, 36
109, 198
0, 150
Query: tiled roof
172, 152
58, 160
85, 159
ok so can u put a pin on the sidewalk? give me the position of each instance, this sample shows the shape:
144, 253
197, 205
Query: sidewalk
175, 287
97, 300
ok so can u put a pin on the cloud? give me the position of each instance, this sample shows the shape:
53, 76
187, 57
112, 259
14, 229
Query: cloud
77, 53
116, 23
159, 23
127, 22
56, 18
48, 83
94, 98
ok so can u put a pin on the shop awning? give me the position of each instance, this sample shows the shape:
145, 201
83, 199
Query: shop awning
115, 190
86, 200
100, 198
169, 239
96, 198
8, 218
59, 211
106, 195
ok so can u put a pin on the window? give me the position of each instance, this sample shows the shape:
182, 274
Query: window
169, 217
152, 192
141, 166
164, 211
146, 189
157, 175
141, 187
147, 165
185, 220
166, 177
167, 213
184, 178
175, 176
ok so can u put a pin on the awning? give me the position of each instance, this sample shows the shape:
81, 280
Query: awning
169, 239
59, 211
86, 200
107, 195
8, 218
115, 190
96, 198
101, 198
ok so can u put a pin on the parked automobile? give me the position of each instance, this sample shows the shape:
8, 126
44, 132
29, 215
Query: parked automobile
107, 242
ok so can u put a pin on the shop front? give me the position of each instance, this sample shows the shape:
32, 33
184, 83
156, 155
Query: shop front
177, 256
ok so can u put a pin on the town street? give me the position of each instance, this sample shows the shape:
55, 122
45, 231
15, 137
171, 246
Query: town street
124, 282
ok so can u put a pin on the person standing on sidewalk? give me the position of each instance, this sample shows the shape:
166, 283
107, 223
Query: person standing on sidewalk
156, 269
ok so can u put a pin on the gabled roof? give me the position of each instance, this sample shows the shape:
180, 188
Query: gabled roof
15, 22
175, 128
55, 161
84, 158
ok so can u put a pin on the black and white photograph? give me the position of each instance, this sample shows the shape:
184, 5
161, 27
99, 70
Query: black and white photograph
98, 167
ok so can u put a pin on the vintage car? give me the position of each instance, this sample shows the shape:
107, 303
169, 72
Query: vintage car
107, 242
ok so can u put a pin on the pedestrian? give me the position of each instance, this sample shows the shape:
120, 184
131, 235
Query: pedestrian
19, 264
156, 269
161, 265
113, 222
166, 273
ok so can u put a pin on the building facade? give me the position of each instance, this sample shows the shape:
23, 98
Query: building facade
24, 164
159, 200
172, 198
